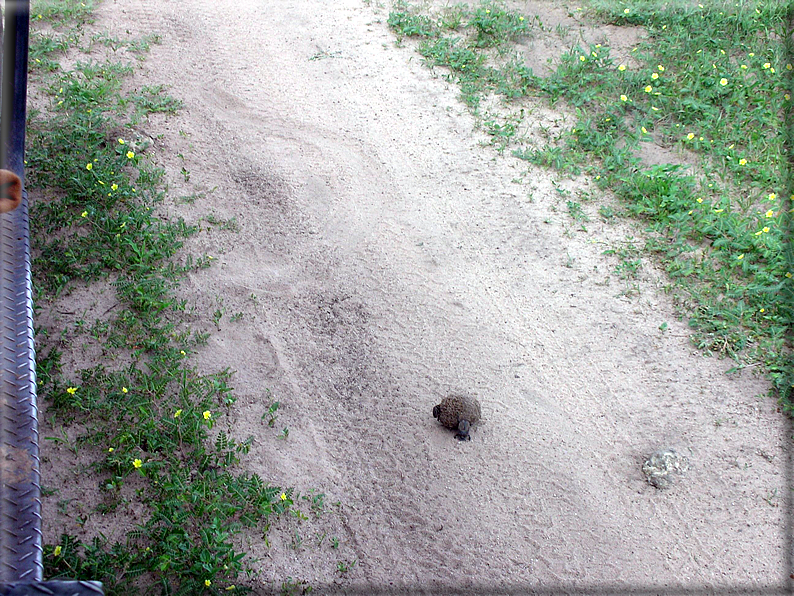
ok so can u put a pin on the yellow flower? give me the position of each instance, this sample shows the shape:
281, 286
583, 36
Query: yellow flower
124, 390
110, 450
644, 130
786, 96
700, 138
57, 551
719, 210
700, 200
772, 196
84, 214
765, 230
137, 463
71, 390
767, 65
232, 587
623, 98
626, 11
788, 275
594, 55
648, 89
762, 310
769, 213
114, 187
178, 413
723, 81
598, 177
121, 141
655, 76
654, 108
690, 136
789, 67
520, 19
751, 54
690, 212
207, 583
130, 154
622, 67
283, 497
582, 58
742, 162
743, 67
772, 70
207, 414
661, 68
740, 257
89, 166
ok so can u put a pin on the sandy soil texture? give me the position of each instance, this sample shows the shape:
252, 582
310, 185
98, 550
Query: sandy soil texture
385, 258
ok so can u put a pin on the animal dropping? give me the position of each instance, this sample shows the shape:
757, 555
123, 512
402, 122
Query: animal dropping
459, 413
10, 191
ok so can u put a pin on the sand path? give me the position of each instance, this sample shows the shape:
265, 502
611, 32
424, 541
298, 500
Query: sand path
384, 258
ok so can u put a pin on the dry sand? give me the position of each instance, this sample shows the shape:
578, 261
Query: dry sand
385, 257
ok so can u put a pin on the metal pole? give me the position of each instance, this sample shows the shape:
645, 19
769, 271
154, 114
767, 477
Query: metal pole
20, 492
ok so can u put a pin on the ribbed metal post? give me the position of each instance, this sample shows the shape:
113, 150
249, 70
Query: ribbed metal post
20, 492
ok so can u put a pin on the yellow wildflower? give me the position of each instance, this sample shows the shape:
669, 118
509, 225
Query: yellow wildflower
57, 551
178, 413
89, 166
71, 390
700, 200
661, 68
690, 136
623, 98
723, 81
769, 213
742, 162
648, 89
121, 141
84, 214
124, 390
114, 187
622, 67
766, 65
740, 257
110, 450
772, 196
207, 414
283, 496
207, 583
655, 76
130, 154
137, 463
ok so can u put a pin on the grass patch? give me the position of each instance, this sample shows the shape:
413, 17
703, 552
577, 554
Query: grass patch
141, 413
710, 81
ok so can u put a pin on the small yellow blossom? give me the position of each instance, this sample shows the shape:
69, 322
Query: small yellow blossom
207, 414
110, 450
719, 210
84, 214
723, 81
765, 230
89, 166
598, 177
648, 89
232, 587
114, 187
582, 58
283, 496
654, 108
182, 352
623, 98
762, 310
57, 551
622, 67
772, 70
700, 138
71, 390
661, 68
655, 76
789, 67
690, 212
644, 130
124, 390
690, 136
740, 257
772, 196
751, 54
626, 11
766, 65
769, 213
743, 67
121, 141
520, 19
786, 96
742, 162
178, 413
207, 583
789, 275
700, 200
594, 55
137, 463
130, 154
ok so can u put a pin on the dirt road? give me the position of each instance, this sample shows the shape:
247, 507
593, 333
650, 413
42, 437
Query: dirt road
384, 258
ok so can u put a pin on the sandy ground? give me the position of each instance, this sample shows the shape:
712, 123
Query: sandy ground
385, 257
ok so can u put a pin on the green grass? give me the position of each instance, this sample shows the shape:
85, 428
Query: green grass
141, 413
713, 80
